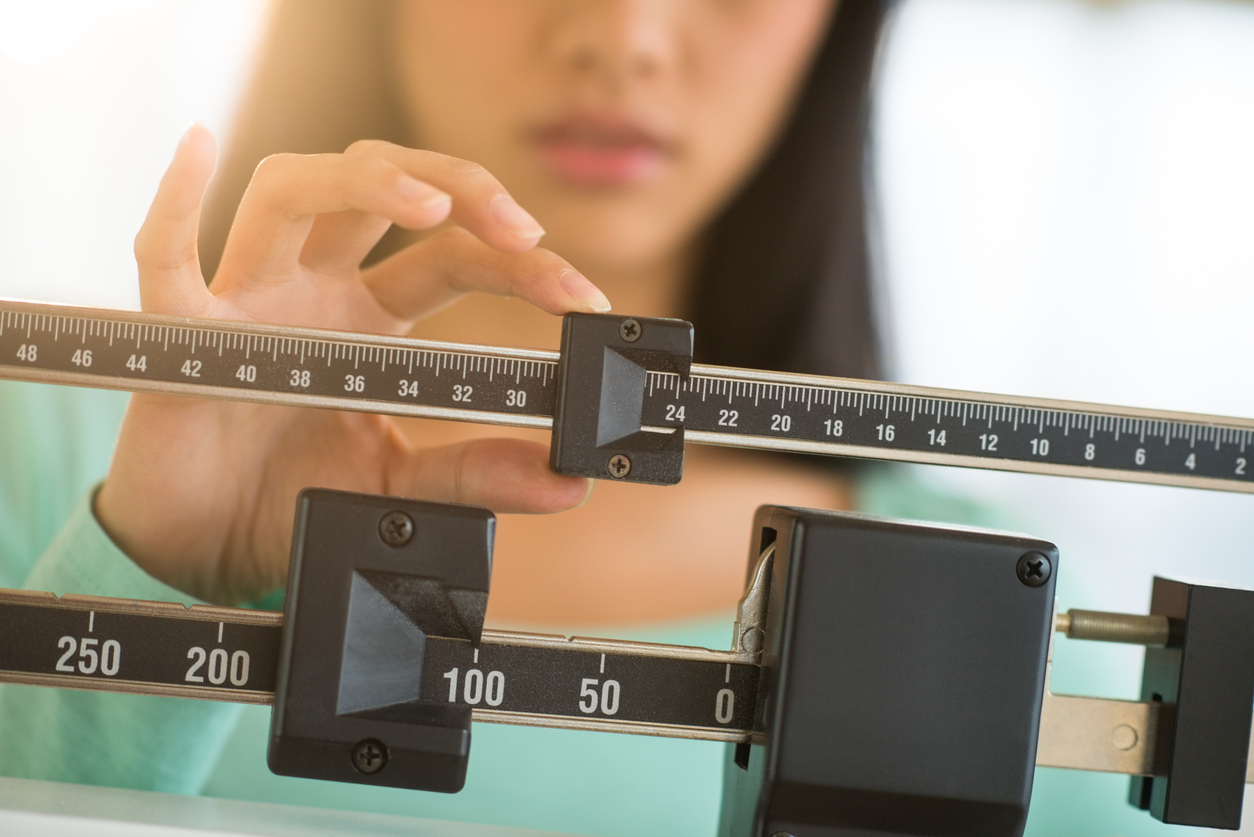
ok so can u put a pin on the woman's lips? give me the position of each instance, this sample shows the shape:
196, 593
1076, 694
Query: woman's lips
600, 152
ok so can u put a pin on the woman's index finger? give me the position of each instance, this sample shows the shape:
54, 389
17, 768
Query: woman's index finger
481, 204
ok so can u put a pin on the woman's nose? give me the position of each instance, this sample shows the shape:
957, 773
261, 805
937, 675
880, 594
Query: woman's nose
617, 38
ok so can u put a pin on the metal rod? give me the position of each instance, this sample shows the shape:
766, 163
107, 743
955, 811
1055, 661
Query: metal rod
1081, 733
715, 405
1131, 628
1110, 736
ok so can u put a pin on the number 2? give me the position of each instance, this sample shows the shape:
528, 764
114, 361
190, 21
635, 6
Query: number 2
199, 656
70, 646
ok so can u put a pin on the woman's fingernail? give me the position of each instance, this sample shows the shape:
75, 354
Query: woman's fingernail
192, 128
421, 194
576, 285
506, 211
587, 495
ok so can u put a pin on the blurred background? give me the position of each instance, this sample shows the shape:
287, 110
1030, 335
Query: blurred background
1065, 196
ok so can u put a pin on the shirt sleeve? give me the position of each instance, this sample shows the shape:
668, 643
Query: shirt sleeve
130, 741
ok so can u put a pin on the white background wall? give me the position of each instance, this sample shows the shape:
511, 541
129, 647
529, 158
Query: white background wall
1067, 195
94, 95
1068, 207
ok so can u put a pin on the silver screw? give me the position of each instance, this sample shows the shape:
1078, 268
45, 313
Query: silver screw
751, 640
396, 528
619, 466
369, 756
630, 330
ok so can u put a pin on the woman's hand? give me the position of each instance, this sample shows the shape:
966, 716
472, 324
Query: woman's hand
201, 493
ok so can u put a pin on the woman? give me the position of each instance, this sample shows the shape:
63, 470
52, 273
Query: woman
697, 158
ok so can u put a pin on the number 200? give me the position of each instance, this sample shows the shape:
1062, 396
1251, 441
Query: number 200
221, 665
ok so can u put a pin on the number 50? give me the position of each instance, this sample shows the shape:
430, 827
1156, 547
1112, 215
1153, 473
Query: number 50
588, 697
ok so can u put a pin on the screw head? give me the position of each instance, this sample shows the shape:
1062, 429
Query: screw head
1034, 569
396, 528
751, 640
1124, 737
369, 756
619, 466
630, 330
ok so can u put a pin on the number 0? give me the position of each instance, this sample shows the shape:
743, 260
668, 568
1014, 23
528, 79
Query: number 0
724, 704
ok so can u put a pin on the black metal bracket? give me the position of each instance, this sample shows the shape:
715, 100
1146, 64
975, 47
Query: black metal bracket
602, 378
1207, 672
903, 670
370, 578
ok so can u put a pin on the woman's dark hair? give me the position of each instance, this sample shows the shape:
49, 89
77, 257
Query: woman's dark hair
783, 282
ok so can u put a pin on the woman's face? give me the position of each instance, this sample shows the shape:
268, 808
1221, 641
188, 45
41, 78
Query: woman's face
622, 125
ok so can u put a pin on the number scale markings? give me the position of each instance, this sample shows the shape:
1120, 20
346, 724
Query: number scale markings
511, 678
715, 405
231, 654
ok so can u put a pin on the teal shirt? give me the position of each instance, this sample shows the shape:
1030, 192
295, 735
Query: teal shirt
55, 444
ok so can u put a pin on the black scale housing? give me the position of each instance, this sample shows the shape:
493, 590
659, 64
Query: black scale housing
903, 672
900, 692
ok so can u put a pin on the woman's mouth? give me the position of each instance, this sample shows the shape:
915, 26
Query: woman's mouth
599, 151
